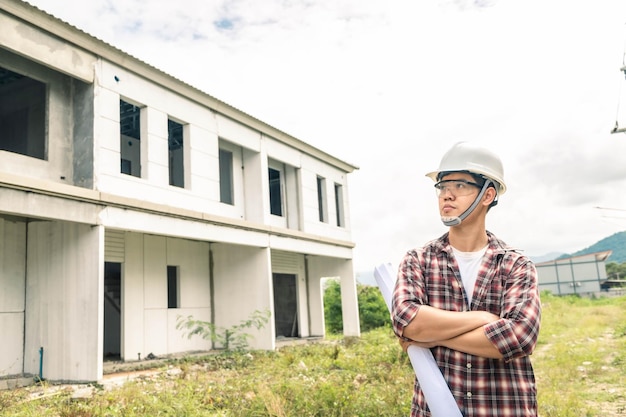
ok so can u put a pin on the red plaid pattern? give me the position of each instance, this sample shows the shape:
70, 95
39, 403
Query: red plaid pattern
506, 286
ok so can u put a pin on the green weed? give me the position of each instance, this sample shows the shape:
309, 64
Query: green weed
580, 363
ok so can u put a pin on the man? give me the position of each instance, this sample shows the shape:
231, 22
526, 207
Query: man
469, 297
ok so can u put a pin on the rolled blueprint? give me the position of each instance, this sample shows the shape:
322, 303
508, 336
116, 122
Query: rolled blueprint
435, 389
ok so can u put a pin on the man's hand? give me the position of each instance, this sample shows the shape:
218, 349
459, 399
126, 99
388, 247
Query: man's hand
406, 343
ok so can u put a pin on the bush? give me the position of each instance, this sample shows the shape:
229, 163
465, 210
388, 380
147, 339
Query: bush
333, 317
373, 311
232, 338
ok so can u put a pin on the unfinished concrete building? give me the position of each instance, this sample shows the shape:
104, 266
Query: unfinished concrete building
129, 199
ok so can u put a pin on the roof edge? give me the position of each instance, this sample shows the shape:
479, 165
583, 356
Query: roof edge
64, 30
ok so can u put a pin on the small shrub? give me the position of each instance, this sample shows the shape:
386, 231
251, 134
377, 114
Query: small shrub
232, 338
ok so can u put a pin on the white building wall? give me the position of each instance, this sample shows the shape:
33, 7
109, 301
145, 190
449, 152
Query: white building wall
64, 296
237, 133
250, 184
13, 284
154, 141
256, 189
145, 278
195, 292
202, 157
242, 282
202, 193
205, 128
311, 169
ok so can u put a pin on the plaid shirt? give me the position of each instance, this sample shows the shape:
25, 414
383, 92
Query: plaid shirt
506, 286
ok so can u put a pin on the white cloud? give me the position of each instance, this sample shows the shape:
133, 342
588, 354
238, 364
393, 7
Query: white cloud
391, 86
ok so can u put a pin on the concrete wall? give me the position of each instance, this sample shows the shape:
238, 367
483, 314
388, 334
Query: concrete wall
26, 39
64, 296
242, 285
148, 325
58, 165
83, 135
12, 282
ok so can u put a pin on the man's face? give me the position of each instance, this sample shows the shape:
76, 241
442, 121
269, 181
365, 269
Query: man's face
456, 193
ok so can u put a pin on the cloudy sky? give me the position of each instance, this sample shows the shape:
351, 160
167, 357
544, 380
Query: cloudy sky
390, 85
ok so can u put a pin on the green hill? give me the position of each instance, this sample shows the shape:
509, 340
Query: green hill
615, 243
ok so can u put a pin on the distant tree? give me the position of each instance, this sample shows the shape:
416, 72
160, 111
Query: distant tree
332, 307
373, 311
615, 270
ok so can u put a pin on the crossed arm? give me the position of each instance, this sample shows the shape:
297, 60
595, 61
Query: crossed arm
462, 331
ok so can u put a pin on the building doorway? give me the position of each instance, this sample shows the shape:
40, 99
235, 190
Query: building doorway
112, 310
285, 305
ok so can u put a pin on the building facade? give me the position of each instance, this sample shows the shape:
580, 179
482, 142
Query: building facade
580, 275
130, 199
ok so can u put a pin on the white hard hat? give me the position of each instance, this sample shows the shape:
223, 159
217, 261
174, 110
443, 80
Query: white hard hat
464, 156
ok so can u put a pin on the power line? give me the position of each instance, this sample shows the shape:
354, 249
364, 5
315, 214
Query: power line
609, 208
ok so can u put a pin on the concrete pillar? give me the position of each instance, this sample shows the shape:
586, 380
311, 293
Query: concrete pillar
132, 298
349, 300
323, 267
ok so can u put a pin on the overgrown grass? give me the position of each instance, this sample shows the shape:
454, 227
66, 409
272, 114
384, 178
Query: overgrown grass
580, 361
580, 364
369, 376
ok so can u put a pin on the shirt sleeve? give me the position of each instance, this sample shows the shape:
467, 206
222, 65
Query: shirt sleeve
515, 334
408, 293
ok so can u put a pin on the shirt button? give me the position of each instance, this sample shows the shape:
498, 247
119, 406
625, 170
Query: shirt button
469, 394
469, 365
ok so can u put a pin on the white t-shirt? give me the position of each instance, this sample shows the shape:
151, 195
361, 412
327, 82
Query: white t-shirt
469, 263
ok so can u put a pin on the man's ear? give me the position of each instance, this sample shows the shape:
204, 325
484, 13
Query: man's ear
489, 196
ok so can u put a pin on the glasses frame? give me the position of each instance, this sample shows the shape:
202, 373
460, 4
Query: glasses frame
441, 192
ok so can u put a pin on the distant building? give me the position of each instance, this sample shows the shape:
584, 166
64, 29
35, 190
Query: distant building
581, 275
129, 199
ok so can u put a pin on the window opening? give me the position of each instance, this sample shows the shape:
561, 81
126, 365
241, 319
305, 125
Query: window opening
226, 177
276, 198
172, 287
130, 135
321, 199
22, 114
339, 205
176, 157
